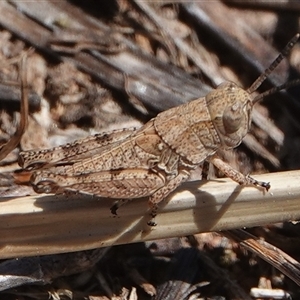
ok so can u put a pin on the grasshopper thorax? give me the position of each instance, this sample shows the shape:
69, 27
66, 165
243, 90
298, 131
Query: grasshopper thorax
230, 109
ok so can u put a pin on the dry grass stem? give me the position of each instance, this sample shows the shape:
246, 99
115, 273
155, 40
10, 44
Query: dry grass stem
48, 224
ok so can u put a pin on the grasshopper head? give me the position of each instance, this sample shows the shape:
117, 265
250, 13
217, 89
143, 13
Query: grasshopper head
230, 108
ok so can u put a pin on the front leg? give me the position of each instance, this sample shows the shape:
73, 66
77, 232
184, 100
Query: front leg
236, 175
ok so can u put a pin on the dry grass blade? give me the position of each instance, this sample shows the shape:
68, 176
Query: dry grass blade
55, 224
274, 256
15, 140
283, 5
44, 269
173, 40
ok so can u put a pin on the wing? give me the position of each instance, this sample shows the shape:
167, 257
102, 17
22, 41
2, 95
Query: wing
72, 152
139, 150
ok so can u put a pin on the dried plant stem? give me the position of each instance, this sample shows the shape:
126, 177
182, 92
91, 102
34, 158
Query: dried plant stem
277, 258
51, 224
14, 141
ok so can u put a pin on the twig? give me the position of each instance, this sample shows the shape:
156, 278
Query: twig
48, 224
274, 256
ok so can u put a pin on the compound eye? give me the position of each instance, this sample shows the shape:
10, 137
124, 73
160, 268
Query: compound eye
232, 118
228, 86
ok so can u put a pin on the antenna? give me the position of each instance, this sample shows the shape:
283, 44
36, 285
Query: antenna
276, 89
257, 83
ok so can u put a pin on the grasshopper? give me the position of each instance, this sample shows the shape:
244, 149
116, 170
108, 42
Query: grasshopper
155, 159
